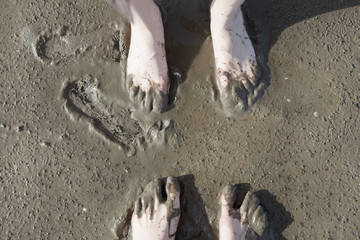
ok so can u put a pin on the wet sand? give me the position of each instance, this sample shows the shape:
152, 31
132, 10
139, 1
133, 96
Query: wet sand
75, 155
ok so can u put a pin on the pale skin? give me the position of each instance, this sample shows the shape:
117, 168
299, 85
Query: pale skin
156, 217
147, 68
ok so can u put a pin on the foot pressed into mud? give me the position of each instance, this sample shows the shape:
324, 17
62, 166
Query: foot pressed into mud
248, 222
235, 59
147, 70
157, 211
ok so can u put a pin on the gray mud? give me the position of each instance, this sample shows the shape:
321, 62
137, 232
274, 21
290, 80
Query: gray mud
75, 152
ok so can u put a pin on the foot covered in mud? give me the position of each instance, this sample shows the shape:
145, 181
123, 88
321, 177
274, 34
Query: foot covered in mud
157, 211
147, 70
235, 59
248, 222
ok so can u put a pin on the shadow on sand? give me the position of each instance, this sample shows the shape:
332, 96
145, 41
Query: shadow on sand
278, 217
194, 223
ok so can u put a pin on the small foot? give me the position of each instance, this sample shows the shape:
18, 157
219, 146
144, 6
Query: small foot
248, 222
157, 211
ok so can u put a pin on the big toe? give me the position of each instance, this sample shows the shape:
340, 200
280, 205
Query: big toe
227, 198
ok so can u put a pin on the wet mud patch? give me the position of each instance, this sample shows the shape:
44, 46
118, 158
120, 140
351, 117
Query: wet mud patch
84, 101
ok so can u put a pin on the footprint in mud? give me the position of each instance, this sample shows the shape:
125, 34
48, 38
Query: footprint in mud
84, 101
49, 47
52, 47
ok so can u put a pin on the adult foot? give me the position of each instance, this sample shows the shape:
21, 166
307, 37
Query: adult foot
235, 224
235, 59
147, 70
157, 211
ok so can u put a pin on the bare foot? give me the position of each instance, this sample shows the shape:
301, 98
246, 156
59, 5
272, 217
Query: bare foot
235, 224
157, 211
235, 57
147, 70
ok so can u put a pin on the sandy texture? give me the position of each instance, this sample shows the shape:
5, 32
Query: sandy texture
74, 155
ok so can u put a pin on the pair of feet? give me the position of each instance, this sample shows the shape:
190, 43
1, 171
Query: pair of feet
157, 212
147, 70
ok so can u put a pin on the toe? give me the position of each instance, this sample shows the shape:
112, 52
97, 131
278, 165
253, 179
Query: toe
255, 75
173, 195
223, 81
258, 221
228, 196
253, 205
159, 193
245, 206
173, 191
148, 101
137, 208
160, 102
247, 84
148, 198
144, 205
133, 91
140, 96
227, 200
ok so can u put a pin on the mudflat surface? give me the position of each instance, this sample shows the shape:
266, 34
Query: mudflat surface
74, 153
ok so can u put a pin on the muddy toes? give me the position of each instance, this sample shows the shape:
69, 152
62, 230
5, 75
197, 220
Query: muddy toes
156, 195
151, 196
238, 93
150, 101
256, 217
133, 92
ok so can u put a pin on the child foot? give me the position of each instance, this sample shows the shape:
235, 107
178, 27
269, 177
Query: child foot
235, 224
147, 70
235, 58
157, 211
